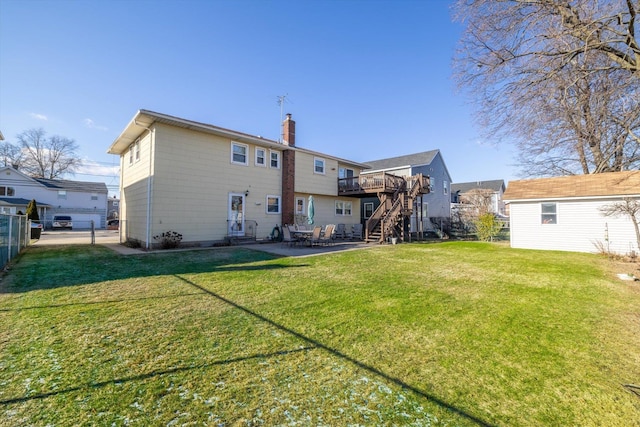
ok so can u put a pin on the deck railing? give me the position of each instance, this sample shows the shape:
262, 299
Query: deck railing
369, 183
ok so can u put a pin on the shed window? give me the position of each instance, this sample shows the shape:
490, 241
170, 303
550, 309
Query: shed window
549, 213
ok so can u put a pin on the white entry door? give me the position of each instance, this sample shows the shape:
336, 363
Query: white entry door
236, 214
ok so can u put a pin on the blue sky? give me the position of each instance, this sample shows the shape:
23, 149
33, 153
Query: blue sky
364, 80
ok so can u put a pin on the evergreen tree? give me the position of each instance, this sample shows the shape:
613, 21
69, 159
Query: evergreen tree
32, 211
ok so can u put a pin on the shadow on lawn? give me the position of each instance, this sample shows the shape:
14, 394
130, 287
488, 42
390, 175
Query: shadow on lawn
54, 268
338, 353
151, 374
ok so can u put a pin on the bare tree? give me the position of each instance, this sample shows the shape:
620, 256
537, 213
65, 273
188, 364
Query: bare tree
560, 79
44, 157
10, 155
628, 206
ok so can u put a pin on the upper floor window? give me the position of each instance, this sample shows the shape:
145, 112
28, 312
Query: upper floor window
131, 154
239, 153
432, 184
549, 213
445, 187
7, 191
275, 159
273, 204
260, 157
137, 150
94, 196
318, 166
62, 194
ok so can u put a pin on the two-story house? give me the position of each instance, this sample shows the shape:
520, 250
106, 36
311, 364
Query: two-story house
83, 201
493, 189
210, 183
431, 207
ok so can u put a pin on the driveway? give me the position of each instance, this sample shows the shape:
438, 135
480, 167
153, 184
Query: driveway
72, 237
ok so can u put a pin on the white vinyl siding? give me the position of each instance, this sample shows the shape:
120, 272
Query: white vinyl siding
580, 226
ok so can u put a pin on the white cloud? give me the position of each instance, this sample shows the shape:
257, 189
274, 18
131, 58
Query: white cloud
39, 116
92, 168
92, 125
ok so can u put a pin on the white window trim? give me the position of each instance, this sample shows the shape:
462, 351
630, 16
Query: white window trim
266, 208
336, 208
246, 153
542, 213
62, 194
344, 209
324, 166
137, 147
445, 187
365, 209
264, 157
304, 206
277, 153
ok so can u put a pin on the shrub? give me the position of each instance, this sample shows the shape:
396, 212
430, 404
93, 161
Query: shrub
168, 239
487, 227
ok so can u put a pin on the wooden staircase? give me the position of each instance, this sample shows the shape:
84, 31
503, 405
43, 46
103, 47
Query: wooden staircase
395, 209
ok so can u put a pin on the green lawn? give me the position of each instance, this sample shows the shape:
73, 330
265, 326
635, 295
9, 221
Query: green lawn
415, 334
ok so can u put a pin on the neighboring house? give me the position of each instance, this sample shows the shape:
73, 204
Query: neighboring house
564, 213
496, 187
83, 201
431, 208
211, 184
113, 208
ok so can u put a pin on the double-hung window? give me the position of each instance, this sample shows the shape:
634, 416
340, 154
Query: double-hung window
62, 194
549, 213
275, 159
318, 166
273, 204
343, 208
445, 187
7, 191
260, 157
239, 153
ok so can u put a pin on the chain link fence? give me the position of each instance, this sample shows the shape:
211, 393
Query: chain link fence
15, 233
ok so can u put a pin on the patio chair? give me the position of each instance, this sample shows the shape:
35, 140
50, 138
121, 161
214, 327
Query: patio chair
287, 237
327, 236
357, 232
341, 231
315, 237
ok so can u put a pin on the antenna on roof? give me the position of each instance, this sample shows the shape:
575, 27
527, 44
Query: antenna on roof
281, 100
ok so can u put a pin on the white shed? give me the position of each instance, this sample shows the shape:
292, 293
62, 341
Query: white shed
565, 213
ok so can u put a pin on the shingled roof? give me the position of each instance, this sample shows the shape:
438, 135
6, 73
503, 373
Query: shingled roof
61, 184
463, 187
417, 159
575, 186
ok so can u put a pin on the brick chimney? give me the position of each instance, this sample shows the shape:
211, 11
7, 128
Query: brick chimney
289, 131
288, 171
